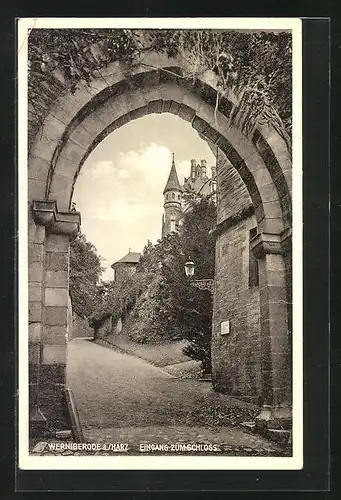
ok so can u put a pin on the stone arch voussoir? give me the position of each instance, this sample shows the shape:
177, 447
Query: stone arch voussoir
79, 121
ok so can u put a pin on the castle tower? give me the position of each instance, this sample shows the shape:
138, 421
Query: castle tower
126, 266
172, 202
193, 169
203, 165
198, 181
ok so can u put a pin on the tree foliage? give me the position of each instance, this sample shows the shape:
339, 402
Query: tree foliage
79, 52
85, 272
255, 66
120, 298
186, 311
159, 302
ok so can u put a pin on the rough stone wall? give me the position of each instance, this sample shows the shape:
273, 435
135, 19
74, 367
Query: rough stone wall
69, 319
288, 268
118, 327
236, 356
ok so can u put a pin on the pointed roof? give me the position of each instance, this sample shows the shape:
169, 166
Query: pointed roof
130, 258
173, 181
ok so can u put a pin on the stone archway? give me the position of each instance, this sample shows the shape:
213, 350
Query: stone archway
76, 123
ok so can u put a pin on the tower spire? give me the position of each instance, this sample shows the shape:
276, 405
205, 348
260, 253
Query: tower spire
173, 180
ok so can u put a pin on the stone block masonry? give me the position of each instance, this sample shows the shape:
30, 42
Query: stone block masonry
56, 324
36, 257
233, 196
50, 313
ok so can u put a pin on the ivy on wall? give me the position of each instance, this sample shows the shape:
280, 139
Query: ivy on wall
62, 58
255, 67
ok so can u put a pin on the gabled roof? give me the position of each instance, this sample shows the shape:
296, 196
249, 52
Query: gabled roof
173, 181
130, 258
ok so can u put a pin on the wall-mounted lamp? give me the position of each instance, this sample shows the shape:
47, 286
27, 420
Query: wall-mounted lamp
189, 268
206, 284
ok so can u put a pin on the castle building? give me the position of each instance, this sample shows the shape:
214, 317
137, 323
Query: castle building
126, 266
198, 183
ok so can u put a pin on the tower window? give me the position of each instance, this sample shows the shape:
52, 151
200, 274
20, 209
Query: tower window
172, 224
253, 262
178, 197
173, 195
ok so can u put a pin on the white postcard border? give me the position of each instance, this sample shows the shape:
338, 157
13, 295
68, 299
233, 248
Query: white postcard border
28, 461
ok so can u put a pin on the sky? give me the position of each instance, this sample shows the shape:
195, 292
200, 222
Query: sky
119, 189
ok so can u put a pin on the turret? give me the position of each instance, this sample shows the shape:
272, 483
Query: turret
172, 191
172, 202
203, 169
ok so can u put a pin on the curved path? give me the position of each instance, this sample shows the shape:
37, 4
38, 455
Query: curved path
116, 389
120, 395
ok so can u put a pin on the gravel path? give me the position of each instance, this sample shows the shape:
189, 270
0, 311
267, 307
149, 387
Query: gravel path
114, 389
120, 396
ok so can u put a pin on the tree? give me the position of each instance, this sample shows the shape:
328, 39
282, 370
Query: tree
158, 302
85, 272
196, 240
192, 307
183, 311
